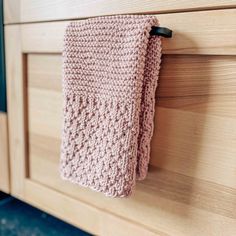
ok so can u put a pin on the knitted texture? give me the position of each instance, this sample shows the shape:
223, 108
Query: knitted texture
110, 72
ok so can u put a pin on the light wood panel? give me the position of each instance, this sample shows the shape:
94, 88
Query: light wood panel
177, 128
18, 11
4, 158
211, 32
185, 196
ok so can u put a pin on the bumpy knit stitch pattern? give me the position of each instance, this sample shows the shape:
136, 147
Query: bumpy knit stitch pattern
110, 72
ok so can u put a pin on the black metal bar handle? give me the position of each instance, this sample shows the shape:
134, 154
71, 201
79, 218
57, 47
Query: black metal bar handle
161, 31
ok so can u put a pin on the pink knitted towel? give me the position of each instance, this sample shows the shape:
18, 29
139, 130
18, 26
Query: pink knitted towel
110, 72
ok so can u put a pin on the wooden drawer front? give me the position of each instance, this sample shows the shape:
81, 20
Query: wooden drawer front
191, 186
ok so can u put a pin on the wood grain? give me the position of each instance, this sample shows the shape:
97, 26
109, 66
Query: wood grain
191, 75
196, 145
45, 111
19, 11
200, 38
217, 105
51, 75
4, 158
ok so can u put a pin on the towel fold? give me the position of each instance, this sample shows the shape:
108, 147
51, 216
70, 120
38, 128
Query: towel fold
110, 73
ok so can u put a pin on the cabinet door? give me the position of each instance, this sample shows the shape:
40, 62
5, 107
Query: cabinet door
191, 185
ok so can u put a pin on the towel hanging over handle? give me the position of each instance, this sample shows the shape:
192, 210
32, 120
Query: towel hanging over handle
108, 114
161, 31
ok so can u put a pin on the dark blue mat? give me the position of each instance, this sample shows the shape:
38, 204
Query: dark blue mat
20, 219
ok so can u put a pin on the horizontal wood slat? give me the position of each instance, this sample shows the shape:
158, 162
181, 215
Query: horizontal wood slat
211, 32
32, 10
217, 105
191, 75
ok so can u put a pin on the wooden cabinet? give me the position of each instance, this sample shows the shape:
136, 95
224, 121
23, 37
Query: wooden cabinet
191, 185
